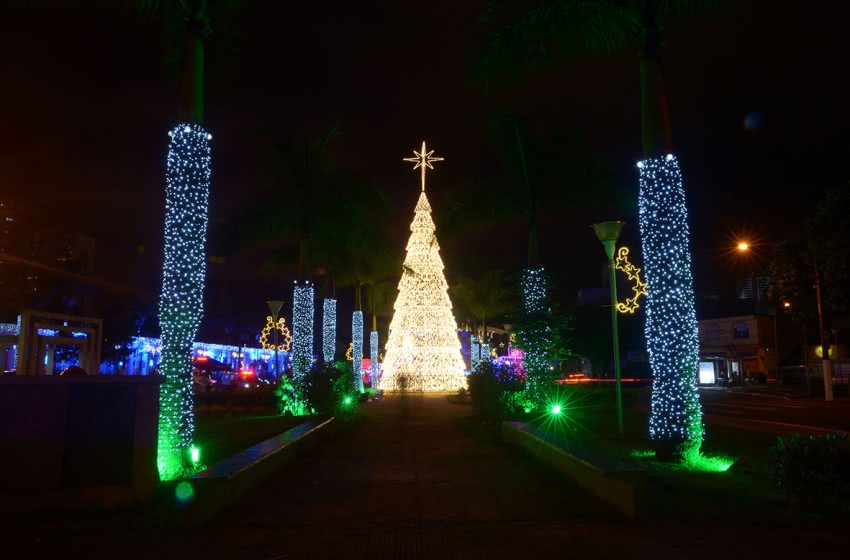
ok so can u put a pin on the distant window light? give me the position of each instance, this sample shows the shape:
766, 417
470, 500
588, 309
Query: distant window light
742, 332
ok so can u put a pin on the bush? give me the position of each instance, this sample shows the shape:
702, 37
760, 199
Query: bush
328, 387
815, 470
494, 389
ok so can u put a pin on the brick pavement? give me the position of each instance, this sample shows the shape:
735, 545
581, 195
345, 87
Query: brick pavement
410, 483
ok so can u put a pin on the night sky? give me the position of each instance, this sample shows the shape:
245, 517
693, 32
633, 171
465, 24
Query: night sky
89, 96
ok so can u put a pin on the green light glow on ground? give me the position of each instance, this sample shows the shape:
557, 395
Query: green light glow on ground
696, 461
642, 453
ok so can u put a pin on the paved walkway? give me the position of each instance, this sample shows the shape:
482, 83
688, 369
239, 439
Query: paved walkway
411, 483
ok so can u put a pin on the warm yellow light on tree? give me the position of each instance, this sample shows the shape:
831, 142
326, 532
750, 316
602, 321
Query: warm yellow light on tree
423, 348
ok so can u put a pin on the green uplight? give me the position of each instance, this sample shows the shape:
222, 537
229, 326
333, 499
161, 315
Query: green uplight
195, 454
347, 400
556, 409
184, 492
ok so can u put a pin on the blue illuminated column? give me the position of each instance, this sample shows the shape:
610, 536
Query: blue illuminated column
357, 349
474, 353
374, 367
182, 299
484, 350
329, 330
302, 335
671, 326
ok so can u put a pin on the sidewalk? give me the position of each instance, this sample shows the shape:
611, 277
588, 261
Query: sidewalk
410, 483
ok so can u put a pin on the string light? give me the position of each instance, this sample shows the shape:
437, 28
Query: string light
357, 349
535, 336
474, 353
374, 362
671, 326
286, 336
349, 354
423, 348
329, 330
181, 302
302, 343
632, 272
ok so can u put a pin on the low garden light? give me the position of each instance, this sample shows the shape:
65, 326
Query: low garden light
195, 454
347, 401
556, 409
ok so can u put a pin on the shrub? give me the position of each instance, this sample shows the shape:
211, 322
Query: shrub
328, 386
494, 389
815, 470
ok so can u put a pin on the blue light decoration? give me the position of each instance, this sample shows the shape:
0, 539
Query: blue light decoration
671, 325
182, 299
302, 346
329, 330
374, 365
474, 353
484, 350
357, 349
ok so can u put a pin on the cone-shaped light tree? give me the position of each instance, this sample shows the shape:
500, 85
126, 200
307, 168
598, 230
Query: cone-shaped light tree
423, 349
563, 27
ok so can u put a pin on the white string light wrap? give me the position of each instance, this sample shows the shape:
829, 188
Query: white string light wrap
474, 353
423, 348
329, 330
181, 302
374, 365
357, 349
671, 326
302, 332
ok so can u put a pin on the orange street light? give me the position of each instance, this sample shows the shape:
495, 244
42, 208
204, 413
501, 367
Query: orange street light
743, 246
786, 304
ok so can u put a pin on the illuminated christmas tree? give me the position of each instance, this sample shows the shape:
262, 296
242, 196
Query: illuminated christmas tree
423, 348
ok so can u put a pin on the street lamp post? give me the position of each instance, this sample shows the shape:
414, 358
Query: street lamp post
608, 233
274, 307
824, 343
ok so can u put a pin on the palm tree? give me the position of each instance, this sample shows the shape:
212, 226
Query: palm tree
561, 28
483, 298
184, 269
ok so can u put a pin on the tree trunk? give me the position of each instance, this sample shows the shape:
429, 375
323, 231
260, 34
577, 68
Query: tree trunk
654, 114
533, 252
192, 88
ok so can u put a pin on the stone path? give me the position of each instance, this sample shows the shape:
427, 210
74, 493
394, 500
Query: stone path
411, 483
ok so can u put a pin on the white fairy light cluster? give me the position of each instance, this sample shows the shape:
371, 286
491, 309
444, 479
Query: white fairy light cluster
329, 330
302, 331
423, 348
484, 349
374, 365
671, 326
357, 349
535, 335
474, 353
181, 302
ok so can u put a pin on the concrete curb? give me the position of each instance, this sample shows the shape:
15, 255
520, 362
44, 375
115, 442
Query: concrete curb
225, 482
621, 485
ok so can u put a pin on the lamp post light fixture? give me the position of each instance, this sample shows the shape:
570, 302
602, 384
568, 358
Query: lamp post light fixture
275, 307
608, 233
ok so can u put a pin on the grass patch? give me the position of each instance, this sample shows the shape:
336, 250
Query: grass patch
219, 436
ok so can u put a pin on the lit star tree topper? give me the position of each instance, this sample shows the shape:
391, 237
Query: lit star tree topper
423, 348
